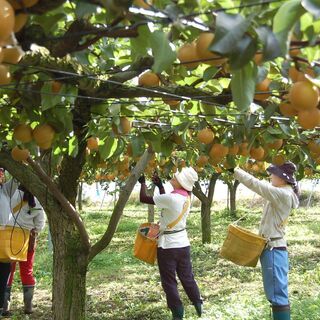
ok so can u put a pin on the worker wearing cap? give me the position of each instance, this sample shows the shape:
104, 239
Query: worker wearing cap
282, 196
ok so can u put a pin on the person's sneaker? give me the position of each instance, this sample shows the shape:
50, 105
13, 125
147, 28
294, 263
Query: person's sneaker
199, 308
177, 313
6, 314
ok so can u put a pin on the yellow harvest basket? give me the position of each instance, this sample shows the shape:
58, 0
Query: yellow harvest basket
242, 246
14, 242
145, 248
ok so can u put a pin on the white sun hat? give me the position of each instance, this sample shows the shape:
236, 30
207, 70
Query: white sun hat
187, 177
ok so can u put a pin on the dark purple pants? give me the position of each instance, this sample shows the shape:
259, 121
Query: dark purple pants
4, 275
170, 262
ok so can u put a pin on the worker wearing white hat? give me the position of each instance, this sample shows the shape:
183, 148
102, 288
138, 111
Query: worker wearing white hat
173, 252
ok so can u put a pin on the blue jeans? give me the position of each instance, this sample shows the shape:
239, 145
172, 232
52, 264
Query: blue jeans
275, 268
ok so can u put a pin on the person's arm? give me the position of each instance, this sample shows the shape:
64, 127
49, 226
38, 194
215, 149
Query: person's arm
40, 218
157, 181
263, 188
10, 187
144, 198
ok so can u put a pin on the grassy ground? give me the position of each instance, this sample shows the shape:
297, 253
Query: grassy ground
121, 287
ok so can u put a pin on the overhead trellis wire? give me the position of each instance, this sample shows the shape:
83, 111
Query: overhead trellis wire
253, 4
70, 74
165, 94
214, 117
150, 90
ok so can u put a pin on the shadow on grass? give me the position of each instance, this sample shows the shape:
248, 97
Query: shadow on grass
120, 287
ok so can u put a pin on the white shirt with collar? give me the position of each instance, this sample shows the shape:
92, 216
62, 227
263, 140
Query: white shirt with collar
172, 206
27, 217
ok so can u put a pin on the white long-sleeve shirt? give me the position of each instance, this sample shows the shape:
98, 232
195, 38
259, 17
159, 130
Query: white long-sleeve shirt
172, 205
27, 217
6, 192
280, 202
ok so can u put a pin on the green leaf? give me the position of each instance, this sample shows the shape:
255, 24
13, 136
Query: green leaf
269, 111
209, 73
49, 22
82, 57
238, 134
120, 148
163, 54
115, 109
48, 98
175, 121
85, 9
312, 53
262, 73
285, 128
5, 114
61, 118
73, 146
108, 147
284, 20
173, 11
167, 147
229, 29
154, 139
99, 109
141, 44
250, 121
243, 52
274, 130
138, 145
70, 93
271, 45
191, 3
313, 6
243, 85
267, 137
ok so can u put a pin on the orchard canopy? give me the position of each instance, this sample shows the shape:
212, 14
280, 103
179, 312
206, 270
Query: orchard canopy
207, 83
106, 90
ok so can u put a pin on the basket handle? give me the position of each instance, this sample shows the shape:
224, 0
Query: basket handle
241, 218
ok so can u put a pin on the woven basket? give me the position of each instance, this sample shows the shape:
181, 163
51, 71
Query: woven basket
242, 246
14, 242
145, 248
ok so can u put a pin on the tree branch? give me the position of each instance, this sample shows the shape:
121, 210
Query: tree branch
212, 184
72, 40
65, 204
23, 174
43, 6
118, 209
197, 191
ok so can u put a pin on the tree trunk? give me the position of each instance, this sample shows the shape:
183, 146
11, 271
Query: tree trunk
151, 206
206, 201
80, 196
69, 288
232, 197
151, 213
206, 221
69, 272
